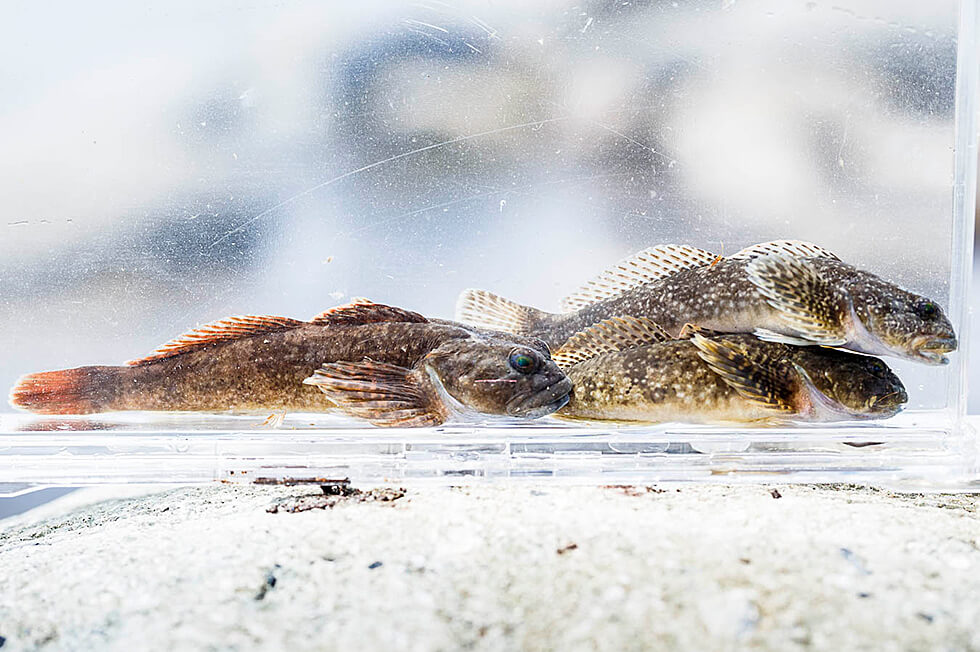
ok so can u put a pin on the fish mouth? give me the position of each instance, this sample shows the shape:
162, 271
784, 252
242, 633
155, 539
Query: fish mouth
888, 405
932, 350
542, 402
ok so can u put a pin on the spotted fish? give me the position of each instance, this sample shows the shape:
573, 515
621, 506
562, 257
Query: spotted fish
784, 291
390, 366
628, 369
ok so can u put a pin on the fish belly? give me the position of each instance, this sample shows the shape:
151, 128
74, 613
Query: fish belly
659, 384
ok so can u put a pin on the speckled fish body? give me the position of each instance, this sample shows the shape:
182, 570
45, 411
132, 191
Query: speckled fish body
391, 366
731, 379
716, 297
779, 296
657, 383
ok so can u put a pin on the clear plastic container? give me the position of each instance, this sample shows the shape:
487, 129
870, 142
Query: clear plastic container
177, 163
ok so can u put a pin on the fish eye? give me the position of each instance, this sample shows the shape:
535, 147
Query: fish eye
926, 309
522, 362
877, 367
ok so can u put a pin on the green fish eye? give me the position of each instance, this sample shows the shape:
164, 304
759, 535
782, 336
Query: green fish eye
522, 362
927, 309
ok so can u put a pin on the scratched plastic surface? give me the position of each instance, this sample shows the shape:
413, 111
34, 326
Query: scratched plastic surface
192, 161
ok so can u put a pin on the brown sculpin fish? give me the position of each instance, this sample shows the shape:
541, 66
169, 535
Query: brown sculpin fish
783, 291
627, 369
390, 366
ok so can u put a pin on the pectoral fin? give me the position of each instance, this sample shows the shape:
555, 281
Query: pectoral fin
384, 394
616, 334
767, 383
822, 407
767, 335
807, 305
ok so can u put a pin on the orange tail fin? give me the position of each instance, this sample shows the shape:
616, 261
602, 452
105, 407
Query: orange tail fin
69, 391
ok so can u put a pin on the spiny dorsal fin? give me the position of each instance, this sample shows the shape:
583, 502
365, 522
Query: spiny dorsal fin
487, 310
616, 334
806, 303
797, 248
386, 395
362, 311
639, 269
225, 330
766, 383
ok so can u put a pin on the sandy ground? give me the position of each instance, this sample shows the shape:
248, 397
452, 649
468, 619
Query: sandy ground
494, 567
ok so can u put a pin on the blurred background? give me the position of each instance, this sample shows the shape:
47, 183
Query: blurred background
168, 164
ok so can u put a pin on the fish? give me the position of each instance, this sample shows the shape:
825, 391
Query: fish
630, 369
388, 365
784, 291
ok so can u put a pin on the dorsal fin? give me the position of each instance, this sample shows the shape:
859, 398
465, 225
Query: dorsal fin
616, 334
796, 248
362, 311
232, 328
639, 269
484, 309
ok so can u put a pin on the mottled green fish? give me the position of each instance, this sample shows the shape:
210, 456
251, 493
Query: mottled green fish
627, 369
390, 366
784, 291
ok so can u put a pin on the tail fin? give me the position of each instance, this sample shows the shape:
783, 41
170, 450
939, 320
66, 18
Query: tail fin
486, 310
68, 391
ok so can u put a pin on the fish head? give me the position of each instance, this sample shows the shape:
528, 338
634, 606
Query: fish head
891, 321
500, 374
843, 383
